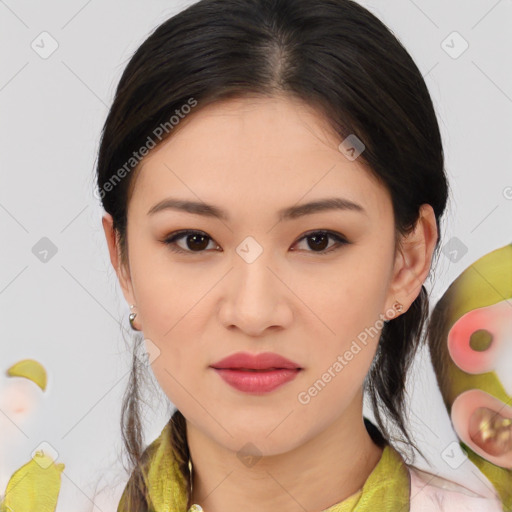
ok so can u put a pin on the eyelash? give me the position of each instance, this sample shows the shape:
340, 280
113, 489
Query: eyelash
178, 235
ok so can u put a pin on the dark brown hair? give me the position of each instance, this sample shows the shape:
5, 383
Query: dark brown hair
333, 55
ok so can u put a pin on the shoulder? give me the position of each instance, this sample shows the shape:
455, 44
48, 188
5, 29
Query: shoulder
431, 493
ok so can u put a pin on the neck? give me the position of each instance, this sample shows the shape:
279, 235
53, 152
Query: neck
324, 470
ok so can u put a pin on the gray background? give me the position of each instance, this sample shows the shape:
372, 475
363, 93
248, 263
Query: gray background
68, 311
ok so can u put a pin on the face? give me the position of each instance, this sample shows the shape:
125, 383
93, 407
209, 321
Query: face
254, 282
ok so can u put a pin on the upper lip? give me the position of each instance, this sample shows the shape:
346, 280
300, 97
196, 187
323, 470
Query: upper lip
262, 361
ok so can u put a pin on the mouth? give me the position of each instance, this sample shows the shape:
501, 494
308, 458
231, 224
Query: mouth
263, 362
255, 369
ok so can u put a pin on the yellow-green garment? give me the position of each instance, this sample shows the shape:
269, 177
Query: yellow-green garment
387, 488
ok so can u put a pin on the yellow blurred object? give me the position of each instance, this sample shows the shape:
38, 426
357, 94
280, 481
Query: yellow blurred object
486, 282
29, 369
34, 487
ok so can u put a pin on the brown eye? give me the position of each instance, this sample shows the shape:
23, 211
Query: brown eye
319, 240
195, 241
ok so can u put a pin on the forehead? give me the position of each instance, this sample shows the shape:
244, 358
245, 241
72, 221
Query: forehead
270, 150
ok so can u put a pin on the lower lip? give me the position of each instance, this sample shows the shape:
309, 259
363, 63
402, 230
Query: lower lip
257, 382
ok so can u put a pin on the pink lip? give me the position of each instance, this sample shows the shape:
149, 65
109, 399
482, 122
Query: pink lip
262, 361
258, 381
273, 371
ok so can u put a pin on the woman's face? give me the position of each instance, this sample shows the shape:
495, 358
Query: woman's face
254, 282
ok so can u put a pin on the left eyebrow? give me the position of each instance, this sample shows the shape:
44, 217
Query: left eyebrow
289, 213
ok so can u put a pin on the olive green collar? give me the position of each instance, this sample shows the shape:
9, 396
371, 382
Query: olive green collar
386, 489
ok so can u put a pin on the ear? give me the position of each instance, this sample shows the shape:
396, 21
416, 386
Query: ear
123, 273
413, 260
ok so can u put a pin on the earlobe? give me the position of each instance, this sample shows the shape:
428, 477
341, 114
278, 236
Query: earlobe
414, 257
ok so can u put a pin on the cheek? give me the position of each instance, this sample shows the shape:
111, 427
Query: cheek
167, 306
356, 301
180, 368
343, 340
164, 291
351, 301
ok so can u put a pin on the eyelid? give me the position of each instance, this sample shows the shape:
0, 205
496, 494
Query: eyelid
340, 239
173, 237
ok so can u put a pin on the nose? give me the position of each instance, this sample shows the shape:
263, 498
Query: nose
256, 297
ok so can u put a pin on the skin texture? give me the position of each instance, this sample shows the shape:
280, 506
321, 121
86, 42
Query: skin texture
253, 157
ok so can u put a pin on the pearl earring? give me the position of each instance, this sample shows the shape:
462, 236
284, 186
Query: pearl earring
132, 318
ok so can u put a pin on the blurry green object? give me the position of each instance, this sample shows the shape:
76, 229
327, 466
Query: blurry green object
467, 307
29, 369
34, 487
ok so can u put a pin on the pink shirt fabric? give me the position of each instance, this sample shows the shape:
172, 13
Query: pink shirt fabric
431, 493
